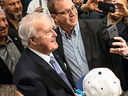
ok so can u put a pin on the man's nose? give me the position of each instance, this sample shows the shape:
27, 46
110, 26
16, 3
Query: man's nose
2, 24
16, 5
72, 12
55, 34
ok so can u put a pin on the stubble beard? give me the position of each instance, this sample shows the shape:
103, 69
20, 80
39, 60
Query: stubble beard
18, 17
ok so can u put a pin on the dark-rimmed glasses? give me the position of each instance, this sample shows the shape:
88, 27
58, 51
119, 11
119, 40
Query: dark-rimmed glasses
67, 12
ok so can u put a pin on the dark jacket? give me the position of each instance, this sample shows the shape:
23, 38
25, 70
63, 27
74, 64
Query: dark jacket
33, 76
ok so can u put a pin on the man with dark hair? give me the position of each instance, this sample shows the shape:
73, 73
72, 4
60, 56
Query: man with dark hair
14, 12
83, 44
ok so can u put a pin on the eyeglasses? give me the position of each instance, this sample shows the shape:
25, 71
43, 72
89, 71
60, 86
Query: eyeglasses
68, 11
109, 1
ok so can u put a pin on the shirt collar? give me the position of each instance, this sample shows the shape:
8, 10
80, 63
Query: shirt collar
45, 57
75, 31
108, 22
8, 39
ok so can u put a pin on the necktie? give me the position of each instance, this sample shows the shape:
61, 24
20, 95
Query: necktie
58, 70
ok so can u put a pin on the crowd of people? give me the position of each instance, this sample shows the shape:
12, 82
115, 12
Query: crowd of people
47, 46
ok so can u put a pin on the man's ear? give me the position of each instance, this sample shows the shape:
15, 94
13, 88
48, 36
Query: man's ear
2, 5
32, 41
55, 19
53, 16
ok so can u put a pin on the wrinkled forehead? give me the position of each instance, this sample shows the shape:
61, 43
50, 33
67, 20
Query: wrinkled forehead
43, 23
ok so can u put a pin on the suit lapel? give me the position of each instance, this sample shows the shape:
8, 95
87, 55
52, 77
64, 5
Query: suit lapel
13, 34
5, 68
105, 19
49, 70
60, 43
120, 25
86, 38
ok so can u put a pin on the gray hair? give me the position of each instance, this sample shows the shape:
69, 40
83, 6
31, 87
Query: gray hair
26, 27
8, 90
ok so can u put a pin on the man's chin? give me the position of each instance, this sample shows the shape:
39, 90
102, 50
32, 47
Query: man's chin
55, 46
18, 16
74, 24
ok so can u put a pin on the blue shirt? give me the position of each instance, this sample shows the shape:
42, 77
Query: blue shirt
75, 53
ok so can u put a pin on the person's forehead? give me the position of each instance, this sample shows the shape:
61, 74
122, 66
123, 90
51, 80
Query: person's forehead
43, 23
63, 4
11, 1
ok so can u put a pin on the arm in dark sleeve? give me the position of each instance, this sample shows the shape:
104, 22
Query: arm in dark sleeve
31, 87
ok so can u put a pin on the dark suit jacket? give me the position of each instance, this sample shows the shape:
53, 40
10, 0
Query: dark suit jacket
117, 59
13, 34
5, 74
95, 43
35, 77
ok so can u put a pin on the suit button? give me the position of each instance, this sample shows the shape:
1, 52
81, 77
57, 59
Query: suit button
15, 38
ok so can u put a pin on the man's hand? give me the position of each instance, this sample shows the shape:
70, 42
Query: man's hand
77, 1
121, 9
75, 94
123, 50
91, 5
39, 9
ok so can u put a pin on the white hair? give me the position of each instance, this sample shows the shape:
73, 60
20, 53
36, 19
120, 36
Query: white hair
26, 27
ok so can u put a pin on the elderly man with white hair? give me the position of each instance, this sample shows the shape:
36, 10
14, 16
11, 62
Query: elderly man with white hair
40, 70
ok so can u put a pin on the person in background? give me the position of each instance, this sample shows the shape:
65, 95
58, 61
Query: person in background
119, 18
85, 7
83, 44
123, 51
39, 6
9, 53
13, 10
40, 71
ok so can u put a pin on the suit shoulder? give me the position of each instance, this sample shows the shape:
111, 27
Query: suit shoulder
91, 20
91, 23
